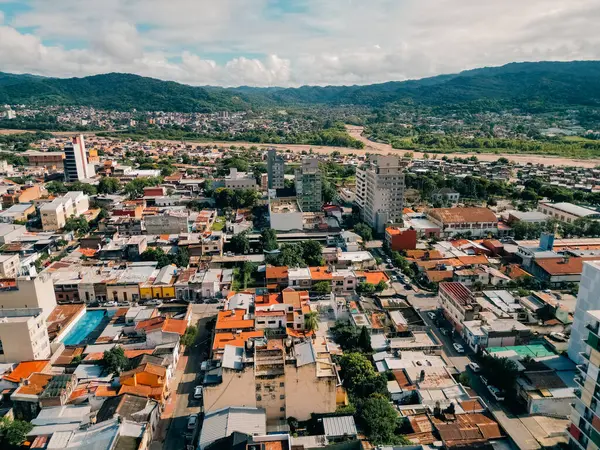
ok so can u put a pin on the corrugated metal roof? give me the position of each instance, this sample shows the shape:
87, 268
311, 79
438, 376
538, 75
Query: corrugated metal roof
232, 357
305, 354
221, 423
339, 426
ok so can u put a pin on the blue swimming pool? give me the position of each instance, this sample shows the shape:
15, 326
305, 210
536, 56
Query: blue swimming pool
86, 325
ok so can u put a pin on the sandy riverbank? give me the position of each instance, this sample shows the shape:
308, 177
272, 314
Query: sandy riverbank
377, 147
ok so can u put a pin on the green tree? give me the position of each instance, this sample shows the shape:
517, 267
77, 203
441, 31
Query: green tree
328, 191
268, 239
312, 253
365, 288
240, 243
364, 340
500, 372
56, 188
364, 231
189, 337
322, 287
78, 224
345, 335
380, 421
156, 254
311, 321
381, 286
14, 432
114, 360
290, 255
109, 185
360, 377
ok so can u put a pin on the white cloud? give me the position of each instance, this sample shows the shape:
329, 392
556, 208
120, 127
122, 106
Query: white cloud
332, 42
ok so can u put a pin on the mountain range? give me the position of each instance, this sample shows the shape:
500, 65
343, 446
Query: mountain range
535, 86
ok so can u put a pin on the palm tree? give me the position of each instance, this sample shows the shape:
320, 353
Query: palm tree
311, 322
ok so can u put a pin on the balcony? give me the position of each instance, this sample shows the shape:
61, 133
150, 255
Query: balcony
593, 327
583, 368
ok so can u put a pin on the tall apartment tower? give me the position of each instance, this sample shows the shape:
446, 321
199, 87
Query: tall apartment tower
585, 412
380, 191
77, 162
309, 186
588, 299
275, 169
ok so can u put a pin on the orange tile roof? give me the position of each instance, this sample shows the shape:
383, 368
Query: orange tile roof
268, 300
237, 339
419, 254
276, 272
320, 273
295, 298
175, 326
514, 271
476, 259
146, 367
37, 382
435, 276
60, 317
558, 266
106, 391
142, 391
233, 319
463, 215
299, 333
375, 277
67, 355
25, 369
121, 312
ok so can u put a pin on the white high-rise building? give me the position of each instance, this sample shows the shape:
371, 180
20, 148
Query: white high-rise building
380, 191
77, 162
588, 299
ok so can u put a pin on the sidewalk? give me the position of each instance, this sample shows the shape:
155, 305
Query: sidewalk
165, 419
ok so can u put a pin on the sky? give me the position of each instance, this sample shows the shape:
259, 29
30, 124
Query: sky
290, 42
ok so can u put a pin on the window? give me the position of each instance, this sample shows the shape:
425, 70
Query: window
281, 397
281, 384
257, 387
282, 409
258, 398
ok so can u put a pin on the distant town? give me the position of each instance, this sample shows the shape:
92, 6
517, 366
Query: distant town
172, 294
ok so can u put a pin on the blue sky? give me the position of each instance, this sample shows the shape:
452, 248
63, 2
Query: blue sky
290, 42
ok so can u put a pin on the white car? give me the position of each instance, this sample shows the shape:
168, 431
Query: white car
496, 393
431, 315
154, 302
474, 367
198, 392
192, 421
459, 348
110, 304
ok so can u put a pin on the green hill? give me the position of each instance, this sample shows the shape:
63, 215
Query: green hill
536, 86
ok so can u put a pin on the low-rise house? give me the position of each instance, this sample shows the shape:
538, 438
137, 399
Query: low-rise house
147, 380
161, 330
458, 304
475, 221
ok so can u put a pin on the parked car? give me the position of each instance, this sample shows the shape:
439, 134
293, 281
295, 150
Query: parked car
459, 348
431, 315
198, 392
110, 304
496, 393
444, 331
474, 367
484, 380
154, 302
394, 278
192, 421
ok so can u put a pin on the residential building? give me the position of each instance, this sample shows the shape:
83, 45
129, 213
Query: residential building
55, 214
23, 335
474, 221
309, 186
399, 239
77, 164
10, 233
585, 414
567, 212
285, 382
168, 222
45, 159
458, 303
21, 194
9, 265
587, 300
285, 214
380, 191
30, 293
445, 195
275, 169
239, 180
223, 422
17, 213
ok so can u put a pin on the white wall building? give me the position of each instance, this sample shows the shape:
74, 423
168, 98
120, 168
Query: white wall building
380, 191
77, 164
55, 214
588, 299
285, 214
239, 180
23, 336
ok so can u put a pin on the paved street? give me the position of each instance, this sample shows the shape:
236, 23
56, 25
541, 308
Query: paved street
182, 403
